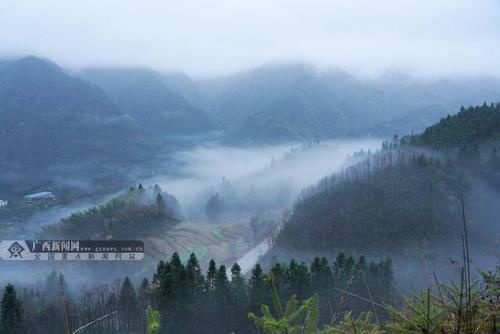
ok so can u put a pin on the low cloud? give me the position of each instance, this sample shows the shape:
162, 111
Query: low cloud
207, 38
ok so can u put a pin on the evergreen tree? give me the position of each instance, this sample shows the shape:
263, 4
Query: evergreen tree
222, 299
239, 300
11, 312
238, 285
258, 290
127, 303
321, 275
297, 278
278, 271
160, 268
144, 299
211, 276
222, 290
194, 276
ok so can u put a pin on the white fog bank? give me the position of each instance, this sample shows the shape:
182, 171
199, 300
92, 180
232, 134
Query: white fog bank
267, 175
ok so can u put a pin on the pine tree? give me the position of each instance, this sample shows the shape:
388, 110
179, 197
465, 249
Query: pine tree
194, 276
297, 278
321, 275
279, 281
238, 285
11, 312
128, 304
222, 285
222, 299
144, 298
159, 270
239, 299
211, 275
258, 290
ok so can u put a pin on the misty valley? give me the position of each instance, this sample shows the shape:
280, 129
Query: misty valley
282, 199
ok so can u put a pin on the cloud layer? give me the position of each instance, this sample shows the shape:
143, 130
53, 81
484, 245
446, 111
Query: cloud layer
205, 38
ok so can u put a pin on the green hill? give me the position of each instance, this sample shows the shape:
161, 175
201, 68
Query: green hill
471, 126
133, 214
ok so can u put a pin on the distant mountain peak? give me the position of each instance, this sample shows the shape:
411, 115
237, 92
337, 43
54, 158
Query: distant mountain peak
35, 64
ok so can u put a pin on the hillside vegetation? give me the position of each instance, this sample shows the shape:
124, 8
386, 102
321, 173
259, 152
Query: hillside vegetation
133, 214
471, 126
408, 201
392, 202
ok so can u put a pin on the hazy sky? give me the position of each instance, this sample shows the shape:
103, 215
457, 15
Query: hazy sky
205, 38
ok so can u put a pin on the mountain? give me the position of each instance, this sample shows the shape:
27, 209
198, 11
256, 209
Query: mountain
299, 102
143, 95
182, 85
470, 137
4, 63
47, 115
49, 119
278, 104
405, 201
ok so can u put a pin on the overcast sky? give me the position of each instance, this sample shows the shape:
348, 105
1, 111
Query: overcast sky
213, 37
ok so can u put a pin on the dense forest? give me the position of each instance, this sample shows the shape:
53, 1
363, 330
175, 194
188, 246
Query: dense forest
250, 167
407, 201
374, 205
394, 203
349, 296
471, 137
189, 301
471, 126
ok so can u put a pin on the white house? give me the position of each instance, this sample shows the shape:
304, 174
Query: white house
43, 195
3, 203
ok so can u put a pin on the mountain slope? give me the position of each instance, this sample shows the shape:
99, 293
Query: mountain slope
298, 102
49, 119
183, 86
471, 126
142, 94
47, 115
398, 204
406, 201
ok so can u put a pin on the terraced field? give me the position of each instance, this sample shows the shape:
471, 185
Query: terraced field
223, 242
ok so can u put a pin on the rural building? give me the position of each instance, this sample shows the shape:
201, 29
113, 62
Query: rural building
3, 203
43, 195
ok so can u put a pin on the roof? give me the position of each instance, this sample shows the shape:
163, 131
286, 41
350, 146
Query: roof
42, 194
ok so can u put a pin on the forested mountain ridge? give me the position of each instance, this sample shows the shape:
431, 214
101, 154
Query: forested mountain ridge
135, 212
471, 126
143, 94
471, 137
379, 206
60, 130
299, 102
406, 201
49, 118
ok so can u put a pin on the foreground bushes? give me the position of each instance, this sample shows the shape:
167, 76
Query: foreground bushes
455, 308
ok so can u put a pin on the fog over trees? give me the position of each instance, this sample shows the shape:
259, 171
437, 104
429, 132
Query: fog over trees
255, 167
